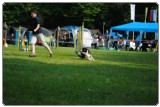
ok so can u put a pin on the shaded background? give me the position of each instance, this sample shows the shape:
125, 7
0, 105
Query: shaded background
61, 14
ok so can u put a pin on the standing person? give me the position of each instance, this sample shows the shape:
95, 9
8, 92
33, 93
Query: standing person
5, 32
37, 33
95, 41
107, 37
115, 41
12, 30
124, 42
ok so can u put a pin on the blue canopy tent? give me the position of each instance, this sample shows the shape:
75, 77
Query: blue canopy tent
138, 27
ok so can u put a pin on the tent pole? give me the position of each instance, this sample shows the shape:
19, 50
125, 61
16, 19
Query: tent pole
141, 32
127, 33
144, 34
110, 32
156, 35
82, 35
133, 36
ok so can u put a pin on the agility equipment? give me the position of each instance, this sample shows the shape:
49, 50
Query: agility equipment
80, 38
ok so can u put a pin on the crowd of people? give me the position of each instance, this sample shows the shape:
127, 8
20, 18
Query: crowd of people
66, 39
118, 43
107, 41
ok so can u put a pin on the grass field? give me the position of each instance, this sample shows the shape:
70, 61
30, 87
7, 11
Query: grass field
115, 78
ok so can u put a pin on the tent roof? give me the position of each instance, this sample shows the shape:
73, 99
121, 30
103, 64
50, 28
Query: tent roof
137, 26
74, 28
70, 27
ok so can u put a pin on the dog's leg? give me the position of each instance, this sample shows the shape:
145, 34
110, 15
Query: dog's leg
89, 59
92, 58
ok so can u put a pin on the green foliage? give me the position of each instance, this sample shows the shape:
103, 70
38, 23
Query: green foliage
17, 13
93, 14
114, 78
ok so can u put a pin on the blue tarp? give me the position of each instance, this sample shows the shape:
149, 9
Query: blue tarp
137, 26
46, 32
114, 33
120, 35
138, 38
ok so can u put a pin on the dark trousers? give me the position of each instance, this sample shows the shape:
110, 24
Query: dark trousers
115, 45
95, 46
107, 45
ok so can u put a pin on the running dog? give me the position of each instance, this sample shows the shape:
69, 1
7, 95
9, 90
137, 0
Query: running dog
85, 53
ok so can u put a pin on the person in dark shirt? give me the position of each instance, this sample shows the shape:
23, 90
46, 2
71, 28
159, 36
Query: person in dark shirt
37, 33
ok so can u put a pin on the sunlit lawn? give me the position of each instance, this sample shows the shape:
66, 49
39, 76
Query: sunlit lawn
114, 78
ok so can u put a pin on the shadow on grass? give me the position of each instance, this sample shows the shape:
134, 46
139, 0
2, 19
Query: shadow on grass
27, 82
129, 58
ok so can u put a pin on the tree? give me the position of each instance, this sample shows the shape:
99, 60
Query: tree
61, 14
17, 13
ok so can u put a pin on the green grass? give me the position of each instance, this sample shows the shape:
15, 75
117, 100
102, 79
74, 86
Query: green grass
114, 78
